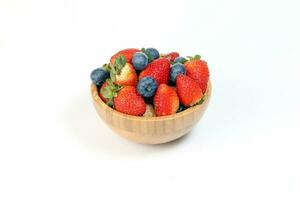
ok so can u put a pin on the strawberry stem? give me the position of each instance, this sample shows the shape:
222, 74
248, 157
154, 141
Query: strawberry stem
196, 57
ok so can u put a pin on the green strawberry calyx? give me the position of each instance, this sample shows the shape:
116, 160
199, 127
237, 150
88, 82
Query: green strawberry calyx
115, 68
110, 91
196, 57
106, 67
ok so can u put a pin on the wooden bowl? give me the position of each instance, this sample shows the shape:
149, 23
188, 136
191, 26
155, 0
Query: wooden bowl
150, 130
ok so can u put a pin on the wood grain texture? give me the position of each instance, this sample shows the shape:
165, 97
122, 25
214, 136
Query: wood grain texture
150, 130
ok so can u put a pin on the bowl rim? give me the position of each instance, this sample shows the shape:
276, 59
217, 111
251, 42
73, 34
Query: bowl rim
98, 100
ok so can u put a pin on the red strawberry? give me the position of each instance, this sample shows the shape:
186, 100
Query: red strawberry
128, 101
127, 76
189, 91
198, 70
171, 56
127, 53
158, 69
101, 91
122, 73
166, 101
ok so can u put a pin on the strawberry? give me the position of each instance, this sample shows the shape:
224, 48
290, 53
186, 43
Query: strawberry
108, 91
127, 76
198, 70
158, 69
128, 101
189, 91
127, 53
122, 73
171, 56
166, 101
101, 91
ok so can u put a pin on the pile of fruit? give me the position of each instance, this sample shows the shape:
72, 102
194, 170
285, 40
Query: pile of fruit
143, 82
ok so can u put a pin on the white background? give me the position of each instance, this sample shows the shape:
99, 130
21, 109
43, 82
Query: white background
54, 146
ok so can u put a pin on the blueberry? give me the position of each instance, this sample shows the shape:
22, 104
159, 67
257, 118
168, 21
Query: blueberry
140, 60
180, 60
98, 76
153, 53
176, 69
147, 86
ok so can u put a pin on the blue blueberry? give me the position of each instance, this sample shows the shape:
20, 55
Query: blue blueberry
147, 86
180, 60
140, 60
98, 76
176, 69
153, 53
